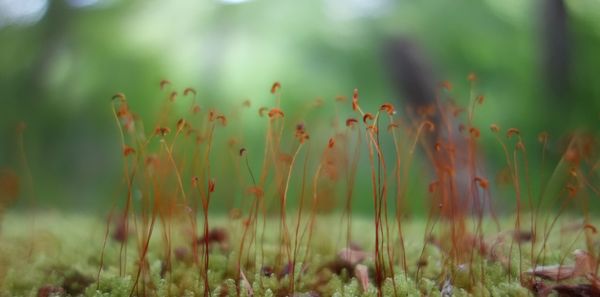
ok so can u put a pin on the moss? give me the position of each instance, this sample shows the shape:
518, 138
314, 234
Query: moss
63, 251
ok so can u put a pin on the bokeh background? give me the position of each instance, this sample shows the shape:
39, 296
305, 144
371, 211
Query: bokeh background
62, 60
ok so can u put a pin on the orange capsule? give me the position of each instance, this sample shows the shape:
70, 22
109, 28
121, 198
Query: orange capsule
355, 100
211, 185
162, 131
474, 132
127, 150
572, 156
430, 125
373, 129
591, 227
222, 119
480, 99
304, 138
351, 122
367, 117
331, 143
123, 111
512, 131
275, 87
483, 183
195, 181
242, 151
387, 107
275, 113
211, 115
392, 126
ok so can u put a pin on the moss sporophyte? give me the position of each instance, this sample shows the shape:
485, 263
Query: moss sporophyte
209, 206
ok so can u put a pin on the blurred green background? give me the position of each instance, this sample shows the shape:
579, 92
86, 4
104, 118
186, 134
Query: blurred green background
62, 60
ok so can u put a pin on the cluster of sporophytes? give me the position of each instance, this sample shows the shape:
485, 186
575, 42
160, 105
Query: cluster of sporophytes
292, 230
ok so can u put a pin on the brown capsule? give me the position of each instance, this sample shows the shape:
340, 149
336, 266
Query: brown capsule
119, 96
181, 124
494, 128
261, 111
189, 90
172, 96
222, 119
164, 83
275, 87
196, 108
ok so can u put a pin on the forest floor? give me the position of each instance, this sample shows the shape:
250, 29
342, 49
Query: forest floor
56, 254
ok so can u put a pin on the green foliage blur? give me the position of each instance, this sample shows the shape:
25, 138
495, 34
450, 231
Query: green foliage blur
61, 61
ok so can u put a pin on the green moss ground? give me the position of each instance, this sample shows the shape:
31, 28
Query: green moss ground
63, 251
